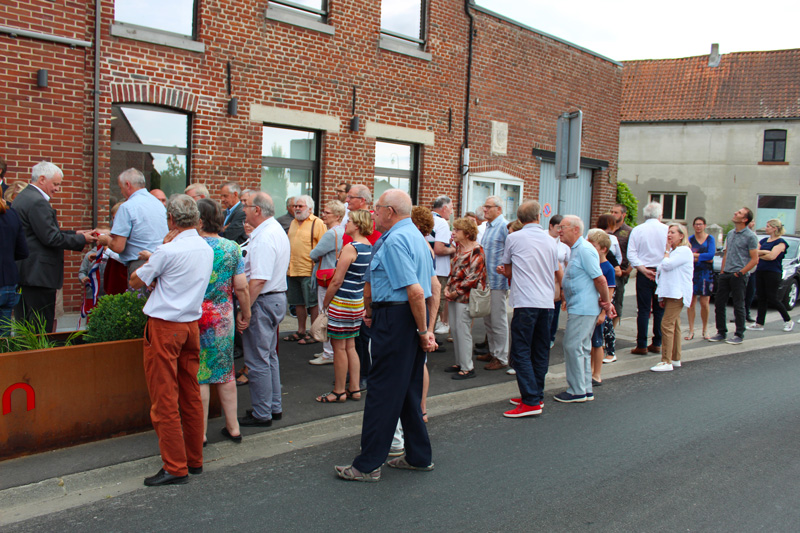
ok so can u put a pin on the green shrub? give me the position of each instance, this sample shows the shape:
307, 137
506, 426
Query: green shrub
117, 317
626, 198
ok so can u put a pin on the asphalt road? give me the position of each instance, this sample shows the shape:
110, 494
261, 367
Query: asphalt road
709, 447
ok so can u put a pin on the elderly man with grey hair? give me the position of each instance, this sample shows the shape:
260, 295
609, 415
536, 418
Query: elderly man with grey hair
266, 258
583, 283
440, 239
358, 197
646, 246
230, 196
41, 274
140, 224
182, 268
304, 234
494, 243
197, 191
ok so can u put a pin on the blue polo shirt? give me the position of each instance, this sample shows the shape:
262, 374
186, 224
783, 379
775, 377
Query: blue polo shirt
402, 258
583, 268
142, 219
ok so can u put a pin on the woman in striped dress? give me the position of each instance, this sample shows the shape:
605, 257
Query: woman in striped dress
344, 305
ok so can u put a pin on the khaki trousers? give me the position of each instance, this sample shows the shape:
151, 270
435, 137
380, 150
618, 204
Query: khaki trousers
671, 330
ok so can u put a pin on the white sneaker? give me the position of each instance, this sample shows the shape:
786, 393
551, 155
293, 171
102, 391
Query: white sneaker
676, 364
787, 326
609, 359
662, 367
511, 372
755, 327
321, 360
441, 328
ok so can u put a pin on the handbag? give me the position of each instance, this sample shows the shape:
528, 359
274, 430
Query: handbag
480, 303
319, 328
325, 275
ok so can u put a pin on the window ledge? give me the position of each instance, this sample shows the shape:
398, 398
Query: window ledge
150, 35
406, 49
295, 19
773, 163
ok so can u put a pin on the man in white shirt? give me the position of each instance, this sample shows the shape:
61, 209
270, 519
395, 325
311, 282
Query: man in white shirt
181, 270
266, 259
440, 238
646, 246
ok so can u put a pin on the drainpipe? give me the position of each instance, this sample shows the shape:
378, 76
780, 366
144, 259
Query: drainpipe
464, 170
96, 125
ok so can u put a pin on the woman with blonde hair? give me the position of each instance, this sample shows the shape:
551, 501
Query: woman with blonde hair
674, 291
344, 305
769, 272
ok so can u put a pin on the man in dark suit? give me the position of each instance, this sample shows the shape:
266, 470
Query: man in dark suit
42, 273
234, 214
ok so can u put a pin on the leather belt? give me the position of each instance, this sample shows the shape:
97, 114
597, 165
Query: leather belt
378, 305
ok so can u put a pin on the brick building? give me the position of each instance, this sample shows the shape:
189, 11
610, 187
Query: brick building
296, 97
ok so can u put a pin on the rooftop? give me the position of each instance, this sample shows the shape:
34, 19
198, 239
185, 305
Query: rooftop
745, 85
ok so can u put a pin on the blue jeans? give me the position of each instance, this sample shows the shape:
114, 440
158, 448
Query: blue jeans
8, 299
647, 301
554, 321
530, 351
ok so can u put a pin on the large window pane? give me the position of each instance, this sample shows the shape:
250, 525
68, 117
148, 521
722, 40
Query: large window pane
281, 183
403, 17
153, 140
290, 144
395, 168
312, 9
176, 16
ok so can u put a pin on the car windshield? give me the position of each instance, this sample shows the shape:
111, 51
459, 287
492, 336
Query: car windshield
791, 252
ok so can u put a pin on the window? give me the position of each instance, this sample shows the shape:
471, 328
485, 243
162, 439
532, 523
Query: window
784, 208
395, 168
289, 164
494, 183
315, 10
152, 139
174, 16
774, 145
403, 23
674, 204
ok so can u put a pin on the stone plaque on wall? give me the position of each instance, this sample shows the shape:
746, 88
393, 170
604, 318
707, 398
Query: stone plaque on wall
499, 138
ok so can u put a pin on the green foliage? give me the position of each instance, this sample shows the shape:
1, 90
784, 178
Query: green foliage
626, 198
117, 317
30, 335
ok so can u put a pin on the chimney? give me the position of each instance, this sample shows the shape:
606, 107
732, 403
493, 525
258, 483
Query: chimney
713, 57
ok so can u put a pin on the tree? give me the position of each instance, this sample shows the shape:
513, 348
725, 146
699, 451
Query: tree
173, 179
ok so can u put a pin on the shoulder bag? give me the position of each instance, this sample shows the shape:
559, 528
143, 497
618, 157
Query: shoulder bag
480, 302
325, 275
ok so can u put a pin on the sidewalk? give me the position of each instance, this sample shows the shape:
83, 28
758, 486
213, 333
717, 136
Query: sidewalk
46, 482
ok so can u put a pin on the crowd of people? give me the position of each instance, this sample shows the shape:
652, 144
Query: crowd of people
388, 280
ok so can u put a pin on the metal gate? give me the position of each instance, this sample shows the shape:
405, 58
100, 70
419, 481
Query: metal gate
576, 195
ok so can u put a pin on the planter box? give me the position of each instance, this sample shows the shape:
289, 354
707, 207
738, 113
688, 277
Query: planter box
60, 397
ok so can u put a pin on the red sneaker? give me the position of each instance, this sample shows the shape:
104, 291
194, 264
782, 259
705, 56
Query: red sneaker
523, 410
517, 401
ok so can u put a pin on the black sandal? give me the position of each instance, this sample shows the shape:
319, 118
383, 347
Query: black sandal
351, 394
341, 397
453, 369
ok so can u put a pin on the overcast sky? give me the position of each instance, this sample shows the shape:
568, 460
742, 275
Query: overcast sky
636, 29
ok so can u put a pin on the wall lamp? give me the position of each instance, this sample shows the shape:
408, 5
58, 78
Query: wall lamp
41, 78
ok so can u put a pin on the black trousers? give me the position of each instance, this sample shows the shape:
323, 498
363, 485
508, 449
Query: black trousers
767, 284
395, 391
37, 303
730, 286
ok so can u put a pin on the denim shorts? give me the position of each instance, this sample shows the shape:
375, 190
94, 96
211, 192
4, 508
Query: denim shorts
597, 337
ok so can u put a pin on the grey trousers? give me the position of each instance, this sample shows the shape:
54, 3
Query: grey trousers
461, 331
260, 342
577, 353
497, 325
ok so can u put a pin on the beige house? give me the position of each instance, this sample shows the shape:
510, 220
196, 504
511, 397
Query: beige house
706, 135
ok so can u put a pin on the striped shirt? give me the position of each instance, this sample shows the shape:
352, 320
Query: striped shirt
494, 244
353, 285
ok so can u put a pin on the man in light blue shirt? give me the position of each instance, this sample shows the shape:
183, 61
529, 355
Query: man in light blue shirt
140, 224
494, 243
400, 289
583, 282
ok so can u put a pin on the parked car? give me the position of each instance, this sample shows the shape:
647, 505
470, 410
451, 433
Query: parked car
790, 284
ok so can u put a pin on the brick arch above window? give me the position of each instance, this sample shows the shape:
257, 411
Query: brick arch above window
499, 166
154, 94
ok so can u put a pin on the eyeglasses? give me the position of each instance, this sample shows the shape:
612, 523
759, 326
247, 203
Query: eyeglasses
489, 206
351, 197
298, 206
341, 190
245, 206
378, 206
326, 212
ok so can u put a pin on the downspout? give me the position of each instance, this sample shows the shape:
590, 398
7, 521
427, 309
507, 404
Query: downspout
96, 125
464, 170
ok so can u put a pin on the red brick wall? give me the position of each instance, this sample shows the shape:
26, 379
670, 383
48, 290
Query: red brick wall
520, 77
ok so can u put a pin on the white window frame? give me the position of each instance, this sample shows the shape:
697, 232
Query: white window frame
670, 217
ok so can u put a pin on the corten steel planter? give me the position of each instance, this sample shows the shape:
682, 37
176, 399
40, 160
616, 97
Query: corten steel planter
59, 397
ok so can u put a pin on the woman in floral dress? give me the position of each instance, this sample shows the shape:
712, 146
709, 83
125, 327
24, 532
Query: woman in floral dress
217, 323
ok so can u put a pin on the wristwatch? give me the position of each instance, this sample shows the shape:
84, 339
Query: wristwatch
423, 332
